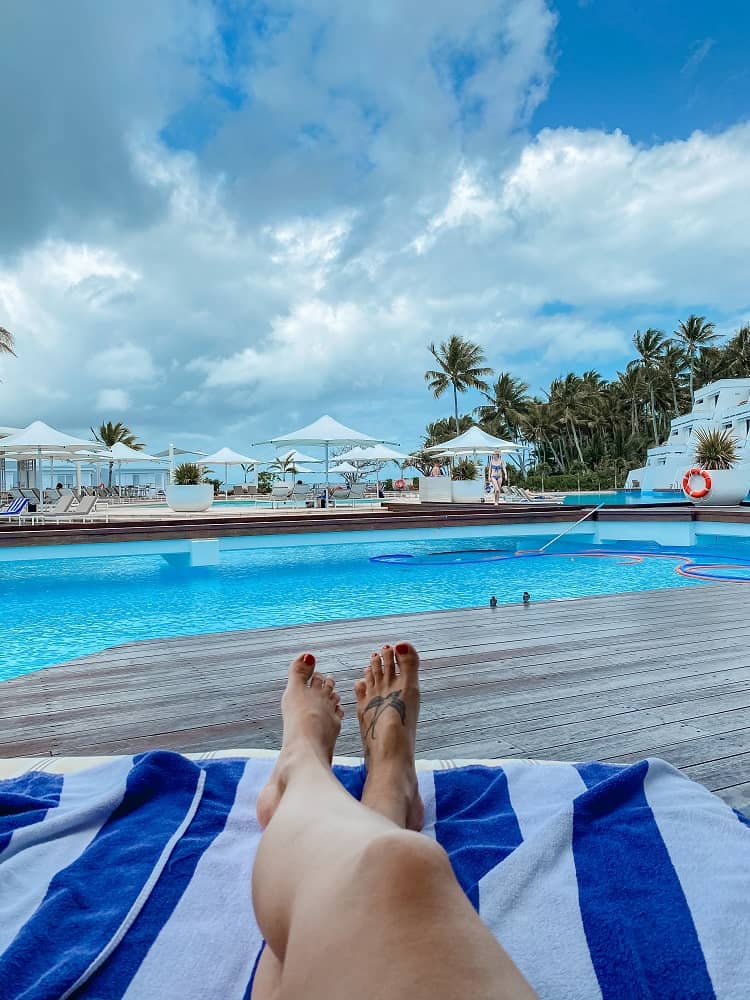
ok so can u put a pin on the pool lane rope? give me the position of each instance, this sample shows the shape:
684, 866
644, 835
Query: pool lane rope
695, 567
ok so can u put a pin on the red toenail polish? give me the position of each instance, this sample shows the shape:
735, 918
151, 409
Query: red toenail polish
402, 648
309, 659
386, 646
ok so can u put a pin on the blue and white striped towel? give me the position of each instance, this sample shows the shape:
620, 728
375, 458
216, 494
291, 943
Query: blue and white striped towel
133, 879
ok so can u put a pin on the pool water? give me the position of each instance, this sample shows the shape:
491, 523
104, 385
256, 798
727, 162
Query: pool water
54, 611
628, 498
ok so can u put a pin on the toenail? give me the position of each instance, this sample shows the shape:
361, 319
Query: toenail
402, 648
386, 646
309, 659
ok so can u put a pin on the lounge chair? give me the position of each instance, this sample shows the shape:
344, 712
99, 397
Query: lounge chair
15, 508
61, 507
355, 492
280, 493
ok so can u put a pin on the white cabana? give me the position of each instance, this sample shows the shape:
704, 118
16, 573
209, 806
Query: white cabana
323, 433
227, 457
39, 441
475, 441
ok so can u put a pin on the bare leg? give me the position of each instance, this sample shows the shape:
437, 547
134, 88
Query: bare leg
349, 903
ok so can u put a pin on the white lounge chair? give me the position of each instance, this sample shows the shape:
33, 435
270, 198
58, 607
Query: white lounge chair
355, 492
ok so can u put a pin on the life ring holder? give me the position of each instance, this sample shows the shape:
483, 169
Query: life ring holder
688, 489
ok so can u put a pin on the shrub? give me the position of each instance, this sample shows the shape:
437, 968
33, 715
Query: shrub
715, 449
188, 474
465, 469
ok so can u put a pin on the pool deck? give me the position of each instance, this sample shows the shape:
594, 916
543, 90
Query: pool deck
615, 678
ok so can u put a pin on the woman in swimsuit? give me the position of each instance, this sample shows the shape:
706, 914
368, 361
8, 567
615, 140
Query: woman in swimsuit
496, 474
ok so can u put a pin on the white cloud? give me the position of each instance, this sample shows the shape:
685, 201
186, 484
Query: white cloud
343, 218
112, 401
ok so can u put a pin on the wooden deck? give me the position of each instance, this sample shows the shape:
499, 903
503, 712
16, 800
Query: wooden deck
665, 673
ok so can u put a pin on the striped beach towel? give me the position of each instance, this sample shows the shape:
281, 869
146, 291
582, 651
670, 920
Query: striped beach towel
132, 879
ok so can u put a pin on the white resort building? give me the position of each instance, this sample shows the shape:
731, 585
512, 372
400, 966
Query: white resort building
724, 404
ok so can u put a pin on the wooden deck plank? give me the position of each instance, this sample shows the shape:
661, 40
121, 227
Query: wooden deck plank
614, 677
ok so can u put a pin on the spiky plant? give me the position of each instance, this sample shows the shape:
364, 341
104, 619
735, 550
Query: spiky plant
188, 474
715, 448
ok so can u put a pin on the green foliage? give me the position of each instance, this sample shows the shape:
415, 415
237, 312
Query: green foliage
715, 448
265, 481
461, 366
465, 469
216, 483
6, 342
118, 433
188, 474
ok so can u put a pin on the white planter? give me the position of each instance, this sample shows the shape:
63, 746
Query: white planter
467, 490
434, 489
728, 487
187, 499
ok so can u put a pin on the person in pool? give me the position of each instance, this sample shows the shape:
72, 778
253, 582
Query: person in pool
351, 899
496, 474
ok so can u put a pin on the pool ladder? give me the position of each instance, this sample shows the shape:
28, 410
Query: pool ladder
571, 526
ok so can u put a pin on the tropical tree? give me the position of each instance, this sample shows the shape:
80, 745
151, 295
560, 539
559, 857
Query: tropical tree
111, 434
672, 367
507, 402
650, 346
461, 366
738, 353
445, 429
6, 342
567, 396
693, 333
632, 388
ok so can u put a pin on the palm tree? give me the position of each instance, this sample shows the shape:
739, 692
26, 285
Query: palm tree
694, 332
461, 366
118, 433
632, 387
738, 353
506, 404
672, 369
568, 395
650, 345
6, 342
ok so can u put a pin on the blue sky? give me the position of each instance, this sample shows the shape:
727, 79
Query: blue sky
222, 219
656, 69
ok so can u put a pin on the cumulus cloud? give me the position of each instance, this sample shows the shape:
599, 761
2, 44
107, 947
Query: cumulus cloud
296, 252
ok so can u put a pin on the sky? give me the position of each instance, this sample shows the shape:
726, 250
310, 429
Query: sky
223, 218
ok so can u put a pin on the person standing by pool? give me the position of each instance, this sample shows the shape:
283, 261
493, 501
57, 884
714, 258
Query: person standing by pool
496, 474
351, 899
436, 471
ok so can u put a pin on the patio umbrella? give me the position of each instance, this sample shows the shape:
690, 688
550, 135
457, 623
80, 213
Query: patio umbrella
39, 439
123, 453
170, 453
297, 456
379, 454
323, 433
227, 457
475, 441
343, 468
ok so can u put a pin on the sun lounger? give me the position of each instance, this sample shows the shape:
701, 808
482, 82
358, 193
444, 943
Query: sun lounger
355, 492
280, 493
599, 879
15, 509
62, 506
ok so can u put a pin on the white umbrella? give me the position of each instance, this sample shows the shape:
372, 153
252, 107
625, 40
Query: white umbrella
325, 432
379, 454
227, 457
40, 439
124, 453
475, 441
343, 467
170, 453
297, 456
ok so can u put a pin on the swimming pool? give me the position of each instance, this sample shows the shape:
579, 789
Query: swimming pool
627, 498
54, 610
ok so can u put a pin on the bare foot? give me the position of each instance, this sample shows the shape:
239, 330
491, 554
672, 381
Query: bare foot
387, 709
312, 714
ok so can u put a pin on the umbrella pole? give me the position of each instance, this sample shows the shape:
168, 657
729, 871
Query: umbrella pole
327, 493
226, 481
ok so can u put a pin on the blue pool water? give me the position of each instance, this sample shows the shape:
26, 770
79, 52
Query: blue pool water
627, 497
53, 611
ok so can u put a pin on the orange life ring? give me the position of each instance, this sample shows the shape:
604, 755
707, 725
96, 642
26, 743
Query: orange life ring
688, 489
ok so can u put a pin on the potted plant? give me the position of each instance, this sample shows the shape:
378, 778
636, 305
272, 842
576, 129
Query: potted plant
714, 480
189, 492
467, 486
